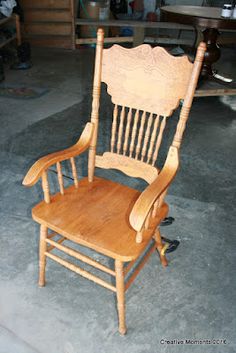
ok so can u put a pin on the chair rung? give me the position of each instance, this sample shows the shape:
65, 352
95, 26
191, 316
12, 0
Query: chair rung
81, 257
80, 271
59, 241
139, 267
129, 266
52, 235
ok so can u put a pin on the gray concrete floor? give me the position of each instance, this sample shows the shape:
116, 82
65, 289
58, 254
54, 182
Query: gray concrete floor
192, 299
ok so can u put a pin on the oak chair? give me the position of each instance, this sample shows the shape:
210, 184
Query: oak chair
146, 85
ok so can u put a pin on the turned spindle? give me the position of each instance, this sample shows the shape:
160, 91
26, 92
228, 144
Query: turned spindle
45, 187
60, 178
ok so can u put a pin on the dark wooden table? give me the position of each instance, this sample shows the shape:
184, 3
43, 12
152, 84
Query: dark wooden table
209, 20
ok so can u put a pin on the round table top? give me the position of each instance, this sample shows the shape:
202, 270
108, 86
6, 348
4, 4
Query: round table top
198, 16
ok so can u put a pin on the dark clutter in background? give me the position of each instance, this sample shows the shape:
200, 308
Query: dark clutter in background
13, 52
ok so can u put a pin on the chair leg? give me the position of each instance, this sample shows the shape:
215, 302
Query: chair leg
42, 257
120, 287
159, 245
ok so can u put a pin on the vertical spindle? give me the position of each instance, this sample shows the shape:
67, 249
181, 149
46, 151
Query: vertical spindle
74, 172
120, 132
153, 138
140, 135
114, 126
146, 138
60, 178
45, 187
134, 132
159, 139
127, 131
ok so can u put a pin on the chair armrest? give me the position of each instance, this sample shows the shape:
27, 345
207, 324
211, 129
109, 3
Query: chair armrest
45, 162
148, 197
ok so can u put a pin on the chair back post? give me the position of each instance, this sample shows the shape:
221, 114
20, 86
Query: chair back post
184, 114
96, 103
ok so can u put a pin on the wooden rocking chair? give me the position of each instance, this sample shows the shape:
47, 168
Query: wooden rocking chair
146, 86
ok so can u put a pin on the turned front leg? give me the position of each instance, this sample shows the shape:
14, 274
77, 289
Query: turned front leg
159, 245
42, 257
120, 287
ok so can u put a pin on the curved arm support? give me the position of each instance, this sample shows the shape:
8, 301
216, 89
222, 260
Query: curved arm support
45, 162
147, 198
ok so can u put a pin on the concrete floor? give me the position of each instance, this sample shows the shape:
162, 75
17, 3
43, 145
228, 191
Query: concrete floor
192, 299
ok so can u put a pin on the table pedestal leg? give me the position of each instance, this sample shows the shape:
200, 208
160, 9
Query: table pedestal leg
212, 53
138, 36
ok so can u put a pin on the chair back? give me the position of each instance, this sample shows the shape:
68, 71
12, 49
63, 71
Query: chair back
146, 85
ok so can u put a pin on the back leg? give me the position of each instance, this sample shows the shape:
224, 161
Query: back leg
160, 246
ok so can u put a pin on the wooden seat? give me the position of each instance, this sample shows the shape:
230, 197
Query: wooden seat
146, 85
88, 220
